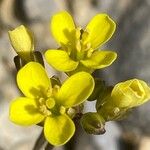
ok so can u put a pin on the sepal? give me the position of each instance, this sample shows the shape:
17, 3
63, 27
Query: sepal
36, 56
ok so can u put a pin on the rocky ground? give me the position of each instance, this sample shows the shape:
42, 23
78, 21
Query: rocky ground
131, 41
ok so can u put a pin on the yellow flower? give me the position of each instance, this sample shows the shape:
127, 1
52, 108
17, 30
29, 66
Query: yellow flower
124, 96
22, 41
78, 46
42, 103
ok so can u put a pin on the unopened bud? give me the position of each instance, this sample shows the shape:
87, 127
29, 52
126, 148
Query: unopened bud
93, 123
22, 41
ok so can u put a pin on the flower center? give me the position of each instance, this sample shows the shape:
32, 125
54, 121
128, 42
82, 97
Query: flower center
79, 48
48, 106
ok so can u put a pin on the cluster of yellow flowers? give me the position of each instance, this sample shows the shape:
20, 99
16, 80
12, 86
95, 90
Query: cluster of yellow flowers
53, 104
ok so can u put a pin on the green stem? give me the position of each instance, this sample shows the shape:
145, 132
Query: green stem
40, 142
49, 147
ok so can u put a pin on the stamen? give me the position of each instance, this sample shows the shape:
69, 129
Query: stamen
78, 45
55, 89
88, 45
71, 112
77, 33
68, 48
62, 110
43, 109
80, 48
89, 53
116, 110
85, 35
49, 92
41, 101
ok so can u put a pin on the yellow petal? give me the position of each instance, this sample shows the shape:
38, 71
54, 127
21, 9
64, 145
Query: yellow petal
24, 111
100, 30
147, 92
22, 41
60, 60
58, 129
76, 89
32, 80
62, 27
100, 59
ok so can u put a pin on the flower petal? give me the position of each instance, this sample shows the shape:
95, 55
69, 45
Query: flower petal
60, 60
58, 129
22, 41
62, 27
33, 80
147, 92
100, 29
24, 111
75, 89
100, 59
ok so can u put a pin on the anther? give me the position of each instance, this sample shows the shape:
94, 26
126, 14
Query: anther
78, 33
89, 52
78, 45
49, 92
85, 35
41, 101
71, 112
55, 89
116, 110
62, 110
43, 109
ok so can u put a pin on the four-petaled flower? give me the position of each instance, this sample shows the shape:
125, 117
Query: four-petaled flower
42, 103
78, 47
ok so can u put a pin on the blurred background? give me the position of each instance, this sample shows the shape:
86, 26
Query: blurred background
131, 41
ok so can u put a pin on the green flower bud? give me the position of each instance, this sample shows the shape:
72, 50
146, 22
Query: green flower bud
93, 123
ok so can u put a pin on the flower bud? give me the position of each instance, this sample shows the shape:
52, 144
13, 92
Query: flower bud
130, 93
22, 41
93, 123
124, 96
